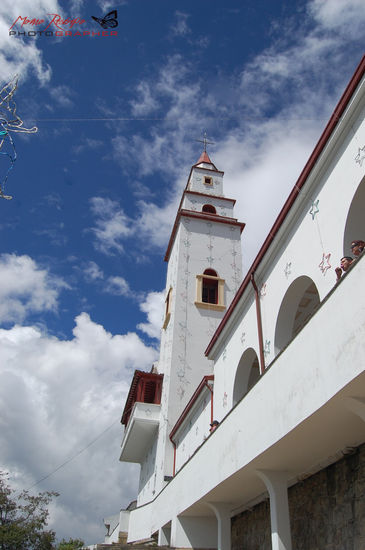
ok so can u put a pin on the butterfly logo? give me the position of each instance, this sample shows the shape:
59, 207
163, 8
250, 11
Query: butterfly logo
109, 21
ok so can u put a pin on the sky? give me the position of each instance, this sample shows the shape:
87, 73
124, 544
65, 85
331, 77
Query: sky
95, 192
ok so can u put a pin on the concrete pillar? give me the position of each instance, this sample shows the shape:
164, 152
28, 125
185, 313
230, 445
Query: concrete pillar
193, 532
356, 405
164, 535
222, 511
276, 484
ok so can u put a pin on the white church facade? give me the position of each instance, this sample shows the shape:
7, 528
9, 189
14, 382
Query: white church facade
276, 357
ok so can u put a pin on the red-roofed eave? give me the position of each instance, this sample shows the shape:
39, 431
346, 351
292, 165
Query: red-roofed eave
199, 215
131, 398
199, 389
331, 125
233, 201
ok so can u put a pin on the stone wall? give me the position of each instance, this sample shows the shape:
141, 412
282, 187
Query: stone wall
327, 511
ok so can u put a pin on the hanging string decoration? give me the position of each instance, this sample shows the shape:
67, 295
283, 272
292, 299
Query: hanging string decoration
10, 121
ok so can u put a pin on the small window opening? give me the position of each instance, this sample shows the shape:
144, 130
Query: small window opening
208, 180
210, 291
209, 208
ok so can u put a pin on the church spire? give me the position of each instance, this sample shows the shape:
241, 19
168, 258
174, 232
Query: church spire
204, 157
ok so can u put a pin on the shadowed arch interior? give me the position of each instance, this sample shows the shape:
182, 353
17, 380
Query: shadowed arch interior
297, 306
248, 372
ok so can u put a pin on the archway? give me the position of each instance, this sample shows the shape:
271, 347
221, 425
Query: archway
297, 306
355, 222
209, 208
247, 374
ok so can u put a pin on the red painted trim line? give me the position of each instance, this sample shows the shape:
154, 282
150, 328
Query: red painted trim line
180, 420
331, 125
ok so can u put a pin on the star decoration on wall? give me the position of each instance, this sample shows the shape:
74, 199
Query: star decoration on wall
325, 265
267, 348
314, 209
360, 157
263, 290
225, 396
287, 269
181, 392
243, 337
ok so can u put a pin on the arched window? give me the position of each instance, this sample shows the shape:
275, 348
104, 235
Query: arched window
296, 308
247, 374
209, 208
210, 290
210, 287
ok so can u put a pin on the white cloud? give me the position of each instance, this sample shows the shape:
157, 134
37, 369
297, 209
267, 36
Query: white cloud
153, 306
339, 15
146, 103
25, 288
87, 143
117, 286
92, 272
18, 56
112, 225
180, 28
62, 95
56, 397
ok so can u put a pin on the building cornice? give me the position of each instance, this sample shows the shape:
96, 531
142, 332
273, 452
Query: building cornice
214, 218
210, 196
204, 383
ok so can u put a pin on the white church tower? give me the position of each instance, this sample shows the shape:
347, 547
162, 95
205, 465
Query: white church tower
203, 275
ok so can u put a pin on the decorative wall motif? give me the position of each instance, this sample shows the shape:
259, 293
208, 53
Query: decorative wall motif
225, 398
243, 337
183, 333
236, 270
263, 290
360, 157
267, 348
287, 269
325, 265
314, 209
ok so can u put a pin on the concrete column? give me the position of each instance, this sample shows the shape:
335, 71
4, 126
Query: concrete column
222, 511
193, 532
276, 484
164, 535
356, 405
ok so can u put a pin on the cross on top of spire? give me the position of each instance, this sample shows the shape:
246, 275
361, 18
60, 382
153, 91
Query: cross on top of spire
205, 141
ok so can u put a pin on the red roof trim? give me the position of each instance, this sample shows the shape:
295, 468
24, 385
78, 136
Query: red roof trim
189, 406
199, 215
210, 196
131, 398
331, 125
204, 157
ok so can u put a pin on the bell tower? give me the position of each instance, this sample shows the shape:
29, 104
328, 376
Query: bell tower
204, 266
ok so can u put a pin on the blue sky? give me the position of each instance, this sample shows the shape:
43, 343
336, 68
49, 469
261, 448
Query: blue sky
95, 193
